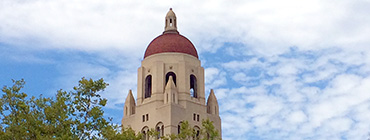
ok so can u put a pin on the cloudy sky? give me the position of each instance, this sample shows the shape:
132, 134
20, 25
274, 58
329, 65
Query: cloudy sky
281, 69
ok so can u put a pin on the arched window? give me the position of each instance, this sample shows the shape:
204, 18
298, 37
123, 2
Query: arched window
173, 77
144, 135
144, 131
148, 86
193, 86
160, 129
196, 130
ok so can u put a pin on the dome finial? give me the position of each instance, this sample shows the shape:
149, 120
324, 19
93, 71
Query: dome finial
171, 23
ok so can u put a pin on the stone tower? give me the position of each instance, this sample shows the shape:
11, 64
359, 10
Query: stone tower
170, 87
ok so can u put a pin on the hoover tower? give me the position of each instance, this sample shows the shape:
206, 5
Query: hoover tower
170, 87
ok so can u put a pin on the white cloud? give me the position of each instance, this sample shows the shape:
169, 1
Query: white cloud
120, 85
343, 84
214, 78
297, 117
240, 77
243, 65
75, 71
130, 25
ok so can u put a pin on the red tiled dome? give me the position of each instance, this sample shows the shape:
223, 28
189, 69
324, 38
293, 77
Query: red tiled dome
171, 42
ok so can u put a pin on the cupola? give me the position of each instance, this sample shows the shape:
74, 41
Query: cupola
170, 40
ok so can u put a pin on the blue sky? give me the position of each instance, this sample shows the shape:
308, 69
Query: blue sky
282, 69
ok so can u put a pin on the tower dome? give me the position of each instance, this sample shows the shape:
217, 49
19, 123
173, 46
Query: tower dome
171, 40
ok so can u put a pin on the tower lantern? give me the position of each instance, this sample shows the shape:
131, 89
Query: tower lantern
171, 25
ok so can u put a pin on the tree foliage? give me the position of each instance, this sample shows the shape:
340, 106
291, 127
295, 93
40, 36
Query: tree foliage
207, 132
76, 114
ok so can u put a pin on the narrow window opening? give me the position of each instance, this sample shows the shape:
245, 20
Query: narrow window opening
159, 132
193, 86
198, 118
194, 117
178, 129
196, 131
143, 118
147, 117
148, 86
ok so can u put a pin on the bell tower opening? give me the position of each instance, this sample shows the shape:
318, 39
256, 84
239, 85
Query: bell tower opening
193, 86
148, 86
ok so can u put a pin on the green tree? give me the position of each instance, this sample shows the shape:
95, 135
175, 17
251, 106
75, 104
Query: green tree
186, 132
111, 133
76, 114
208, 131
